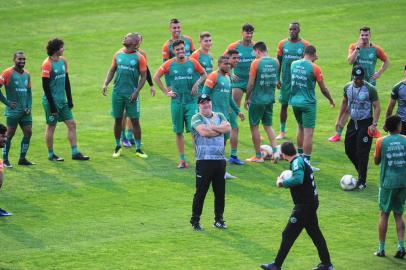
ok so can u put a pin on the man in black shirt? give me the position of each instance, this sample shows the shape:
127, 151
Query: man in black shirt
304, 215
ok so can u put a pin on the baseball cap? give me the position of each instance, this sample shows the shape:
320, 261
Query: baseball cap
202, 98
358, 71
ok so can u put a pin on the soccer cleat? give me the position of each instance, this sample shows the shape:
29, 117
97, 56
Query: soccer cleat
360, 187
229, 176
255, 159
281, 136
400, 253
380, 253
117, 151
197, 227
322, 266
236, 161
25, 162
140, 154
7, 164
80, 156
55, 158
315, 169
219, 224
4, 213
270, 266
125, 143
335, 138
182, 165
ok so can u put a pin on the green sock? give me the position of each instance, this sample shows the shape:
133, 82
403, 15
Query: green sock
25, 143
283, 126
123, 134
300, 151
117, 142
401, 244
137, 144
130, 134
307, 157
381, 246
182, 157
6, 149
340, 131
50, 153
258, 155
233, 152
74, 150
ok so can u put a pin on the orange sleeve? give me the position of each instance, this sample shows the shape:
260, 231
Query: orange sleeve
165, 50
380, 53
280, 47
254, 68
164, 68
305, 42
66, 64
142, 62
232, 46
141, 51
197, 65
192, 45
5, 76
351, 48
378, 147
211, 80
195, 55
317, 72
46, 68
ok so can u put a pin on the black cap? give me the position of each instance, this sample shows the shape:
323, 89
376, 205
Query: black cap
358, 71
203, 98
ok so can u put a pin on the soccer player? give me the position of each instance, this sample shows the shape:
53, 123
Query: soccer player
176, 34
184, 76
390, 152
130, 70
399, 94
203, 55
3, 138
361, 102
208, 129
260, 98
18, 101
304, 215
218, 87
289, 50
241, 72
364, 54
57, 100
305, 74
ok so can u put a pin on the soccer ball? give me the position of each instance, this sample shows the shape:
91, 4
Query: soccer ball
286, 174
348, 182
266, 151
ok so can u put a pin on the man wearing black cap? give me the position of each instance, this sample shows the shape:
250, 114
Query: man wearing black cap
208, 130
361, 102
398, 94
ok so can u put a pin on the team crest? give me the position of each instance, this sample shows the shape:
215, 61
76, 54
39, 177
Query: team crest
371, 55
119, 60
389, 155
132, 62
16, 82
203, 63
299, 51
285, 50
189, 71
175, 71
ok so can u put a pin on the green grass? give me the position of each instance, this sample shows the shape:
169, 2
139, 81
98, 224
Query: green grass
133, 214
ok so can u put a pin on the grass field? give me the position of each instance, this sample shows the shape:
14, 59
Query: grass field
134, 214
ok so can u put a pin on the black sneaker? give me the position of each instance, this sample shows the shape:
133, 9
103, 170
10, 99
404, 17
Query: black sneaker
380, 253
269, 266
400, 253
219, 224
4, 213
197, 227
55, 158
7, 164
25, 162
80, 156
322, 266
360, 186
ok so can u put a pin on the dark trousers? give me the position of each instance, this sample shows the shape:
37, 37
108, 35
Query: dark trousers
358, 145
303, 216
209, 171
403, 131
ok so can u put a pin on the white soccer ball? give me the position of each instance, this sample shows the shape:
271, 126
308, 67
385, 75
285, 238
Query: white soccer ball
266, 151
286, 174
348, 182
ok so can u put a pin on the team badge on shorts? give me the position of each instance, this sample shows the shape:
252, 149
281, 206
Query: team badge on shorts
293, 220
51, 118
365, 139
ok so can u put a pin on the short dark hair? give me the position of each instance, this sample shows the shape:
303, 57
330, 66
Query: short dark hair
177, 43
204, 34
296, 23
54, 45
248, 28
174, 21
3, 129
260, 46
288, 148
231, 52
365, 29
392, 123
17, 53
222, 59
310, 50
